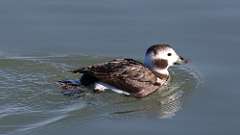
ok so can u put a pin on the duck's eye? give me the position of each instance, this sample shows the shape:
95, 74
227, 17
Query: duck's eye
169, 54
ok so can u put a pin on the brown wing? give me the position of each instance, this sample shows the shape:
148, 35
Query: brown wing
126, 74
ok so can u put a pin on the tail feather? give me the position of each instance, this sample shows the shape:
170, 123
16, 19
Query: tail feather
73, 86
70, 82
80, 70
87, 80
70, 87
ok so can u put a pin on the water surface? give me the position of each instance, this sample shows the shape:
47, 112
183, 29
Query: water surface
41, 40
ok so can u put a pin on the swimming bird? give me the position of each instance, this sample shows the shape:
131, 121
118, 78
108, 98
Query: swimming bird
131, 77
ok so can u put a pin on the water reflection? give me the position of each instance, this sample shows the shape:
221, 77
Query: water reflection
164, 103
163, 108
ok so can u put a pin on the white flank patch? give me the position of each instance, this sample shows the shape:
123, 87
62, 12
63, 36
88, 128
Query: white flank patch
103, 86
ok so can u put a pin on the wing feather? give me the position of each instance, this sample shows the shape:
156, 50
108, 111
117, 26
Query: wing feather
126, 74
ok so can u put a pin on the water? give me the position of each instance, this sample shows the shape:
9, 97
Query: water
41, 40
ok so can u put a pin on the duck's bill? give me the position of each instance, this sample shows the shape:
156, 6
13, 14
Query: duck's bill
180, 61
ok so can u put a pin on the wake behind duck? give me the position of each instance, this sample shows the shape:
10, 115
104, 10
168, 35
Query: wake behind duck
128, 76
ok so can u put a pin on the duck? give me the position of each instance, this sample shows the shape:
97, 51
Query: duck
131, 77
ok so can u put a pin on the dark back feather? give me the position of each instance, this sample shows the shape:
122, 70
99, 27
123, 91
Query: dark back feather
126, 74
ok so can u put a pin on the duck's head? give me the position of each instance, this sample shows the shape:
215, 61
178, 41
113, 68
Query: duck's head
160, 57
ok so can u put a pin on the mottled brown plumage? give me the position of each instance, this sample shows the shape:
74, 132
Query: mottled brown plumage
130, 77
125, 74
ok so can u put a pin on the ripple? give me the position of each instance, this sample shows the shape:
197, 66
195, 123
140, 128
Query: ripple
42, 123
29, 98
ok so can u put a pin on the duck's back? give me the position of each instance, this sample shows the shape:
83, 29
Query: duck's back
126, 74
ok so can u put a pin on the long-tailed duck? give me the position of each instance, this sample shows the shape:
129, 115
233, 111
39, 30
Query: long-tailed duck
131, 77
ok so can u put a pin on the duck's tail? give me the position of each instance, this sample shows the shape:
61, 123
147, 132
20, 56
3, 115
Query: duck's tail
80, 70
70, 82
70, 87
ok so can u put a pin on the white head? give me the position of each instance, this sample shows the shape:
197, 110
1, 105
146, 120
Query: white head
160, 57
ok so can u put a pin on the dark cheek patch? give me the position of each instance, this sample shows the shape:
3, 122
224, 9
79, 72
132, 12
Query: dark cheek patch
161, 63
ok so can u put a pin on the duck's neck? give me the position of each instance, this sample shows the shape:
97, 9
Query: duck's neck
161, 73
